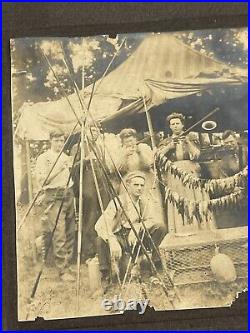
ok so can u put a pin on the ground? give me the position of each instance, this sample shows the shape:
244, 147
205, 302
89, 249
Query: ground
56, 299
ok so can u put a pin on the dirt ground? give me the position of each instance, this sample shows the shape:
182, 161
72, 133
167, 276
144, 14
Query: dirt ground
56, 299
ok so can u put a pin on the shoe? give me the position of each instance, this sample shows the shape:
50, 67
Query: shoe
158, 265
67, 277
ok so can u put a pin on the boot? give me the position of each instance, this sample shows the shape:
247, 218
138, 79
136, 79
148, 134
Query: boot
105, 280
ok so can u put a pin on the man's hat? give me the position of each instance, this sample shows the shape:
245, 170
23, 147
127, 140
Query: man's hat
134, 174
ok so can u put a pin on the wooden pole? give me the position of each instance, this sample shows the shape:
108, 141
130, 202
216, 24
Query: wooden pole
80, 221
156, 172
30, 189
100, 201
150, 126
30, 196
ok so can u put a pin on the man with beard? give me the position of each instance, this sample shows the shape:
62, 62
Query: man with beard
230, 164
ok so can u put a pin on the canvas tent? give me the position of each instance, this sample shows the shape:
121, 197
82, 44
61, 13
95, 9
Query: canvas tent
161, 69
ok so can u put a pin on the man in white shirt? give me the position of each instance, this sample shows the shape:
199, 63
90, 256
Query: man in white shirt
115, 235
58, 187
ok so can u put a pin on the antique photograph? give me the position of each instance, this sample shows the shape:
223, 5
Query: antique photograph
130, 158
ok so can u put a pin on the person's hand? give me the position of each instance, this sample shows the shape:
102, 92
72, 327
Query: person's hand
132, 239
188, 141
129, 150
165, 149
90, 156
191, 136
68, 164
115, 248
171, 145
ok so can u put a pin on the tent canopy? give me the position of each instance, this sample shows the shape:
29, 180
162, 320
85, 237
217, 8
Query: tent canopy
161, 69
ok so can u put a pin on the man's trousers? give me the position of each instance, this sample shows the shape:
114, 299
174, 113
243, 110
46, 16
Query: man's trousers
157, 233
62, 231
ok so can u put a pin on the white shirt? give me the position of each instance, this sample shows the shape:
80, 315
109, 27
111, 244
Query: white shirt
60, 174
105, 226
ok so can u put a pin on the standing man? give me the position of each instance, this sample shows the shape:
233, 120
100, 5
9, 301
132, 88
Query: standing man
115, 235
232, 162
91, 207
55, 190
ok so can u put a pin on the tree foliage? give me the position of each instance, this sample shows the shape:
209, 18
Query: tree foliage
33, 81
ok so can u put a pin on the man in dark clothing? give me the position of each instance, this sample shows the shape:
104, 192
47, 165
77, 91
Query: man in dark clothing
91, 207
231, 164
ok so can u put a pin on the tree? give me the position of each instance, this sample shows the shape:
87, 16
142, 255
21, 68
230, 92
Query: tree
227, 45
34, 82
37, 83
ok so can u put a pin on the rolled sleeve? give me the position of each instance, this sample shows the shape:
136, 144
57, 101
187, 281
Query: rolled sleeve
41, 170
105, 224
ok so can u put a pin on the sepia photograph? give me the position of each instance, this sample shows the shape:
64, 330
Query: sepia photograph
130, 159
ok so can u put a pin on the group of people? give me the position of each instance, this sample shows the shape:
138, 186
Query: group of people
120, 194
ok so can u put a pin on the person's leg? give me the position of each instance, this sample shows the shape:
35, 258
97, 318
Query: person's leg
91, 213
122, 238
70, 226
103, 253
59, 236
157, 233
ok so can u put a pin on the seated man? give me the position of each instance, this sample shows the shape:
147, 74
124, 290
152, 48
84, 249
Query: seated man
115, 236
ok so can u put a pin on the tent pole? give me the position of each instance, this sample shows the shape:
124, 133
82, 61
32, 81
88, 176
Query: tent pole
156, 172
83, 79
30, 191
30, 196
150, 126
100, 201
80, 221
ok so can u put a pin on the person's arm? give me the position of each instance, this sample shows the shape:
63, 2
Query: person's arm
105, 224
122, 160
41, 171
193, 146
148, 218
104, 228
146, 155
166, 146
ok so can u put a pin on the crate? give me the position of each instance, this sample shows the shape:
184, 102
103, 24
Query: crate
188, 257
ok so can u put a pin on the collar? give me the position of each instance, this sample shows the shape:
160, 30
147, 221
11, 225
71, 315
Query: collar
177, 135
129, 199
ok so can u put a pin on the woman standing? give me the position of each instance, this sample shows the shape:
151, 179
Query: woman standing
183, 151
